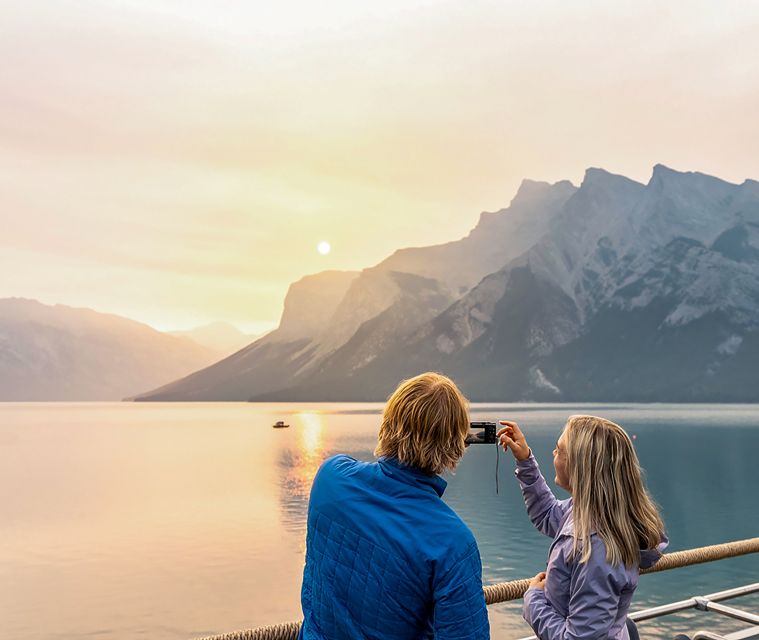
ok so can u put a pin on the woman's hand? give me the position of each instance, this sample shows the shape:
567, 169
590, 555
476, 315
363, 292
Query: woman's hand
539, 581
511, 437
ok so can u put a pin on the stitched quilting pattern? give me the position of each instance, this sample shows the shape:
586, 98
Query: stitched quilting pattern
387, 559
348, 568
459, 612
363, 588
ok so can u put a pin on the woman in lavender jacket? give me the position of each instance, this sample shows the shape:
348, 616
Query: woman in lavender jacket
603, 535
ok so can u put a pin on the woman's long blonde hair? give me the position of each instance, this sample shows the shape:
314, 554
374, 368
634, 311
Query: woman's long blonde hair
425, 424
608, 494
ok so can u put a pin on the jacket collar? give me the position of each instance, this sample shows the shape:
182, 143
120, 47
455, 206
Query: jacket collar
412, 475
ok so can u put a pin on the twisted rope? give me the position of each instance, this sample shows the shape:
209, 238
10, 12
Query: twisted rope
282, 631
711, 553
505, 591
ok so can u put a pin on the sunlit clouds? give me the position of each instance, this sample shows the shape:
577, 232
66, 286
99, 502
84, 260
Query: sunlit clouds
177, 162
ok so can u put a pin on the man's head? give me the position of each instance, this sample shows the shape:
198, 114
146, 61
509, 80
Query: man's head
425, 423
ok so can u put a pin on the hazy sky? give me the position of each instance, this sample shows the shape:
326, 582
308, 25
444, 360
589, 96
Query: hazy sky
178, 162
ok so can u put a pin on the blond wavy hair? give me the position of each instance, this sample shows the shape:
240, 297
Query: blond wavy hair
608, 493
425, 423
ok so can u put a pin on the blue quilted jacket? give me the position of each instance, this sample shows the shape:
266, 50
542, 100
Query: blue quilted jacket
387, 558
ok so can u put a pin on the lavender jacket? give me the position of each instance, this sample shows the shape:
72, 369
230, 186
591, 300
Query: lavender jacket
585, 601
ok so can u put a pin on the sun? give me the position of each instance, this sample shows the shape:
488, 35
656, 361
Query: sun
323, 248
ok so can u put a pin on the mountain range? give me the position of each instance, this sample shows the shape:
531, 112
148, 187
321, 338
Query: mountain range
611, 291
56, 352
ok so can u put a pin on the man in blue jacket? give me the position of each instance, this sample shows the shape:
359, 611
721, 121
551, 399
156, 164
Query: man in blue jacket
385, 556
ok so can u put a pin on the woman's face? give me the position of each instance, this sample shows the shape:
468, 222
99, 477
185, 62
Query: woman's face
560, 462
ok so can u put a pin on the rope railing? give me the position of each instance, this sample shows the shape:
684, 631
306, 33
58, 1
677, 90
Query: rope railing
515, 589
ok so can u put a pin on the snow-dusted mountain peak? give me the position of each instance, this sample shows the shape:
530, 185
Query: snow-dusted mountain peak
616, 290
600, 178
531, 190
664, 177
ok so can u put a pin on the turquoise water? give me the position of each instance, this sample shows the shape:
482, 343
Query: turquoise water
179, 520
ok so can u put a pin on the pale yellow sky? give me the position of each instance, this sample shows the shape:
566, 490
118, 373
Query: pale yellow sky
178, 162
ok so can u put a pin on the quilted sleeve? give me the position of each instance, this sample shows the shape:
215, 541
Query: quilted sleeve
459, 603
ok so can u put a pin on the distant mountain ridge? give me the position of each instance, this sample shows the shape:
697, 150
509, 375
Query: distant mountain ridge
221, 337
62, 353
611, 291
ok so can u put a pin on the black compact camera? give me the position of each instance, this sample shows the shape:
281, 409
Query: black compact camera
481, 433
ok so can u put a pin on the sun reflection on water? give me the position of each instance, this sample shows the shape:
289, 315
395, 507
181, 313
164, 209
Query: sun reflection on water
310, 435
299, 463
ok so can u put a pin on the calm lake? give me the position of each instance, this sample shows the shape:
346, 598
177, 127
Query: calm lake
124, 520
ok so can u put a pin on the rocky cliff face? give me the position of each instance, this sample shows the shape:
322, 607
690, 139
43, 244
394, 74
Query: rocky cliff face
497, 239
615, 290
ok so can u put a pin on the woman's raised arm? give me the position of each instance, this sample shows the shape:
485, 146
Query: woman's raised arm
544, 510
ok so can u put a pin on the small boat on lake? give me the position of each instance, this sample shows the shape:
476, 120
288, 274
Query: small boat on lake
279, 424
